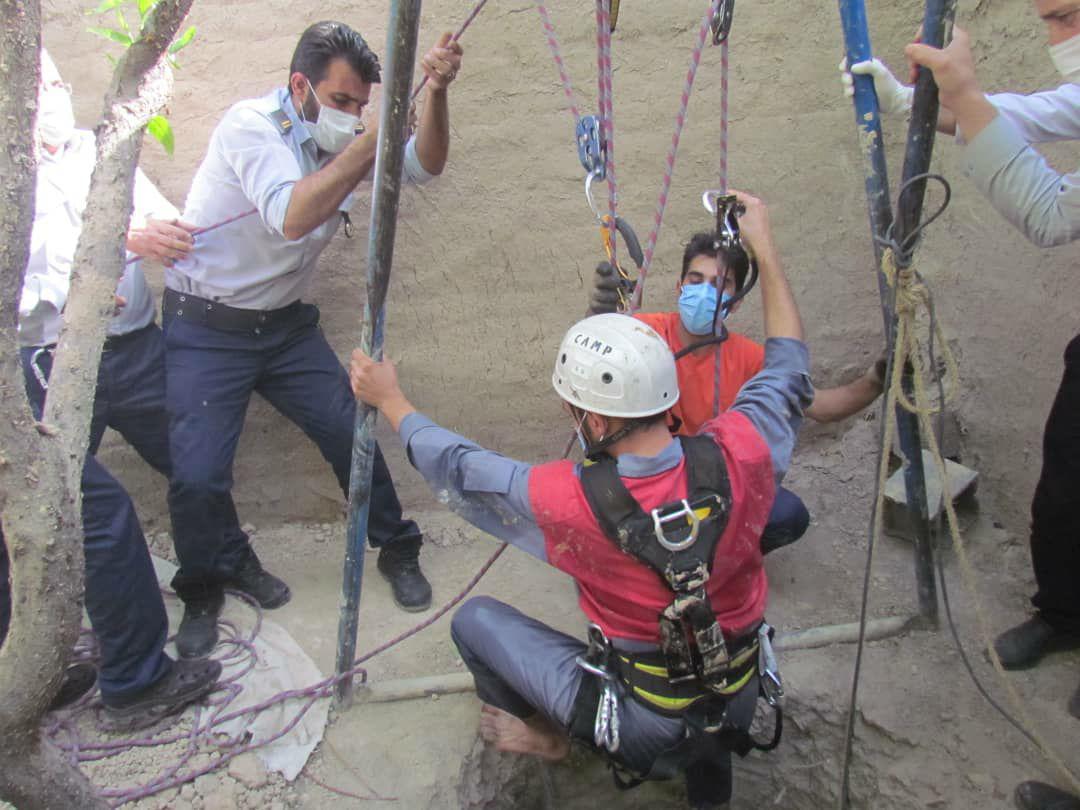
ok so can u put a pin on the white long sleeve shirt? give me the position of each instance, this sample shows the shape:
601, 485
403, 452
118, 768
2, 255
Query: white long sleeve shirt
63, 183
254, 162
1040, 201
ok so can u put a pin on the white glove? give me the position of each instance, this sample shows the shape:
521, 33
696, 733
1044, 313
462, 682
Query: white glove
893, 97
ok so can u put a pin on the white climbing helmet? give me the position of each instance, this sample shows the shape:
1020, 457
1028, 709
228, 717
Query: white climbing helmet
616, 365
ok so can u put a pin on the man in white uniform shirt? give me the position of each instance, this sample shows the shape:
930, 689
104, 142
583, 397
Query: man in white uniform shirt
235, 321
139, 683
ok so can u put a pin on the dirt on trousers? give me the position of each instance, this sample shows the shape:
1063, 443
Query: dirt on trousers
494, 260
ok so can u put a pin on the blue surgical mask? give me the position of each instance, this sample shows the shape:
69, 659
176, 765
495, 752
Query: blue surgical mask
697, 307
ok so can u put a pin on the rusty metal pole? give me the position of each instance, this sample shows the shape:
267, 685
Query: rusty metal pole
389, 161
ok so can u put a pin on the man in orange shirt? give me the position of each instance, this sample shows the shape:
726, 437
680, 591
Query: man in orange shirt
704, 261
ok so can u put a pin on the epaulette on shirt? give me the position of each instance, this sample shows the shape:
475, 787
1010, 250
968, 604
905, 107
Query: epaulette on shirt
281, 121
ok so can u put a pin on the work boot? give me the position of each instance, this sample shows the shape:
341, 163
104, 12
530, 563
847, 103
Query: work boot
399, 562
198, 631
252, 579
1040, 796
1025, 644
186, 682
78, 679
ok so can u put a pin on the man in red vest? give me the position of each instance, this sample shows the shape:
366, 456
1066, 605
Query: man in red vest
660, 534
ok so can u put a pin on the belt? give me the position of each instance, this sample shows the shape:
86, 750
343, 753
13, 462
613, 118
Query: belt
646, 678
113, 342
216, 315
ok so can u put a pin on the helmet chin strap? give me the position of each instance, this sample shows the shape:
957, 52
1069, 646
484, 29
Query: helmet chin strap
595, 449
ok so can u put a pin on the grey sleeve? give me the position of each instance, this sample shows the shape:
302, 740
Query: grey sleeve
774, 399
1041, 202
488, 490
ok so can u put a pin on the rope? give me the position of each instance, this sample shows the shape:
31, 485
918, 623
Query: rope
724, 85
605, 102
673, 149
62, 729
911, 296
457, 35
556, 54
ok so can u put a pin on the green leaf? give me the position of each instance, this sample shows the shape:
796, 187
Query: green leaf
161, 129
184, 40
123, 23
145, 6
109, 33
106, 5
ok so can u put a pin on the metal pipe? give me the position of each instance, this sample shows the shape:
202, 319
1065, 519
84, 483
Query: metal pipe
871, 142
937, 21
389, 161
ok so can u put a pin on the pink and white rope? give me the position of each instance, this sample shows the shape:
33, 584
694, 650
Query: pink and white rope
605, 95
673, 149
556, 53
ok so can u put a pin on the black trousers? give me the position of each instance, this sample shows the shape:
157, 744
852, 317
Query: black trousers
1055, 510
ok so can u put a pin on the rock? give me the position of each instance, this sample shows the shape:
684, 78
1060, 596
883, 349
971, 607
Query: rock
276, 805
207, 785
187, 792
224, 798
248, 770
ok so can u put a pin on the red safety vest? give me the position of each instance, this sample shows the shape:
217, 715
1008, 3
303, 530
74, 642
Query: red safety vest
624, 596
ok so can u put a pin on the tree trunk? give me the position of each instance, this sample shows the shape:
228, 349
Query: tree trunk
40, 469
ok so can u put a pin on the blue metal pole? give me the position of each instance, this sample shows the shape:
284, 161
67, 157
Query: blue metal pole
871, 141
389, 161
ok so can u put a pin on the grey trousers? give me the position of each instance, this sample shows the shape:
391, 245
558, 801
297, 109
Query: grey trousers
522, 666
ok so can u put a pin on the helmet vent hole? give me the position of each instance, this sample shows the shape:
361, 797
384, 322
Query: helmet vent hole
665, 395
606, 377
562, 360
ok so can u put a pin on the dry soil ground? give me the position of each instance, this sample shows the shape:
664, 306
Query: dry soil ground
494, 261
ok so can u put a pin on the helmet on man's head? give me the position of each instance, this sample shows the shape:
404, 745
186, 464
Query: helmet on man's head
616, 365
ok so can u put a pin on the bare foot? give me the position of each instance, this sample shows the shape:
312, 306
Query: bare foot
537, 735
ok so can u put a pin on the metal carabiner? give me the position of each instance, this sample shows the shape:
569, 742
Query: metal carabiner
727, 209
772, 685
721, 21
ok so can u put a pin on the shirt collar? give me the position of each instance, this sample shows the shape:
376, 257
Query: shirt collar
631, 466
303, 134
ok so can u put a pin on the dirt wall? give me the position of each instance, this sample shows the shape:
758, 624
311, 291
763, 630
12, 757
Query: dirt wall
494, 258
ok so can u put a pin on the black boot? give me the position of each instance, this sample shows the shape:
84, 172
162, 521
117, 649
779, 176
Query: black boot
77, 681
252, 579
1025, 644
185, 683
1040, 796
198, 629
399, 562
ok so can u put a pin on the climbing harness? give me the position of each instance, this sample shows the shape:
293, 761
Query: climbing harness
696, 670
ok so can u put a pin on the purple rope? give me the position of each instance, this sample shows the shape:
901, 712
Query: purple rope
468, 21
205, 722
673, 149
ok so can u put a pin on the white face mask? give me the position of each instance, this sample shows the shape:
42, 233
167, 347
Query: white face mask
1066, 58
334, 129
56, 119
